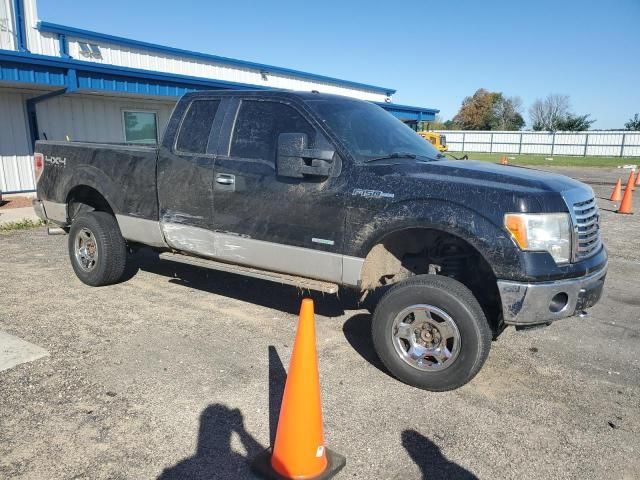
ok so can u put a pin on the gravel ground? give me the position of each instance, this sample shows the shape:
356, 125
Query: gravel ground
171, 375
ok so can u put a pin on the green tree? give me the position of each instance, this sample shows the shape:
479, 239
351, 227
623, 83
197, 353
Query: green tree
553, 114
575, 123
476, 112
545, 114
633, 123
506, 113
437, 124
486, 110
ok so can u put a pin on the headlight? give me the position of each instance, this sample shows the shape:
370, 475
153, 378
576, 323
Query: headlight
550, 232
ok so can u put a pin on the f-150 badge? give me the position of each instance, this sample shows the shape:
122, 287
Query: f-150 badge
359, 192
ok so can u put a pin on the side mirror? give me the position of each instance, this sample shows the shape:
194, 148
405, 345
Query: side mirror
296, 160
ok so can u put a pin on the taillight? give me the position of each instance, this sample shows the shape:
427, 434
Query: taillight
38, 165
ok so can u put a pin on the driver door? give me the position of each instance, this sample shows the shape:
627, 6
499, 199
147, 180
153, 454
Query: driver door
290, 225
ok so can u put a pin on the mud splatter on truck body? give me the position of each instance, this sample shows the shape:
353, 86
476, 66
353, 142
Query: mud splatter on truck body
338, 192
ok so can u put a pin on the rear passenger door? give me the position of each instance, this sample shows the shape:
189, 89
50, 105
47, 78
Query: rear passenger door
283, 224
185, 174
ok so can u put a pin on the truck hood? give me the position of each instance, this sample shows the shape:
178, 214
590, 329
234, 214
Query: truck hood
498, 176
477, 183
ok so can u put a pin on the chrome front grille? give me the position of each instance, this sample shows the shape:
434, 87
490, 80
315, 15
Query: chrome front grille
586, 229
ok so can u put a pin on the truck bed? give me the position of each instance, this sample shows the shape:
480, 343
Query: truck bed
124, 174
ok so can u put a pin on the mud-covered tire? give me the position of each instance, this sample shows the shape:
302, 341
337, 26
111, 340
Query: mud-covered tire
97, 232
457, 305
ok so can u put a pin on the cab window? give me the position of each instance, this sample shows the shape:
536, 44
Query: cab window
258, 125
196, 126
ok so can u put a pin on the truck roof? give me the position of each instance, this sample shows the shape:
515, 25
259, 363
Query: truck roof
304, 95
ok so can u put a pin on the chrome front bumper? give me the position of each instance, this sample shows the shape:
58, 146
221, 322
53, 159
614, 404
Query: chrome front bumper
533, 303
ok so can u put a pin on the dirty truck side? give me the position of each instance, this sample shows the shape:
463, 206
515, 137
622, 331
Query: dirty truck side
322, 191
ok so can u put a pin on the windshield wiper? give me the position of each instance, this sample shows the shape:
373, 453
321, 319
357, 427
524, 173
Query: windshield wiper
391, 156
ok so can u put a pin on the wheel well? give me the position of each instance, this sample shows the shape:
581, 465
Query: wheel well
83, 199
418, 251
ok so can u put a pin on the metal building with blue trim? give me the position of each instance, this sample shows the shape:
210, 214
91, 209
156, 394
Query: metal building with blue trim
59, 82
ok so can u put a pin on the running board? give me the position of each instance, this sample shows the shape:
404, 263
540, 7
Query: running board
300, 282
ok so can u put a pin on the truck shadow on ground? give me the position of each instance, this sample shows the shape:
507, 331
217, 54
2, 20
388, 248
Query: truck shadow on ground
272, 295
357, 331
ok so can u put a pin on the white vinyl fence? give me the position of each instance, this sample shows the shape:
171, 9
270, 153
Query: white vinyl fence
603, 143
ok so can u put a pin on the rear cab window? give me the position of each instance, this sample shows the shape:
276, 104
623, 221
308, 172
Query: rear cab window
195, 129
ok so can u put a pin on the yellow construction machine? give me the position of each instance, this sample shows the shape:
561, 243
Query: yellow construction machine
438, 140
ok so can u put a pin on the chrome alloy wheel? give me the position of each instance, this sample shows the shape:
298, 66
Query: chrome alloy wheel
426, 337
86, 250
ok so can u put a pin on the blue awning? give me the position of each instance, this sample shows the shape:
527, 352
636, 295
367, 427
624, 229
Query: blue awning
410, 114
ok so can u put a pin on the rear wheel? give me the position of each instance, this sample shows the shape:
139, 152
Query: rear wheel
97, 250
431, 332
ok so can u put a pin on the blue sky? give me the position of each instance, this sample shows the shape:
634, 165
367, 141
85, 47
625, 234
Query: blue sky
433, 53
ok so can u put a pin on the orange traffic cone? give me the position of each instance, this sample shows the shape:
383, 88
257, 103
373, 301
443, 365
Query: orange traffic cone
626, 204
637, 184
632, 181
504, 160
299, 451
616, 195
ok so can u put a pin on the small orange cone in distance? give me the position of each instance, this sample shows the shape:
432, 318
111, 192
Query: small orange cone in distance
504, 160
631, 181
626, 204
299, 451
616, 195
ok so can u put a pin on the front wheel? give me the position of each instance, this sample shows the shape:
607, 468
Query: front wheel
97, 251
431, 333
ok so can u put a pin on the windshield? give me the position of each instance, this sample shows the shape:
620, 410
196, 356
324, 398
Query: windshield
371, 132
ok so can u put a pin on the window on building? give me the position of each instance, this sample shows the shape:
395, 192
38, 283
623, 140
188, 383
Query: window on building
90, 50
258, 126
196, 126
140, 127
95, 50
85, 51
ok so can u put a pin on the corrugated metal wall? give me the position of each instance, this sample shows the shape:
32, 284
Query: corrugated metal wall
120, 55
16, 166
38, 42
603, 143
7, 25
93, 118
81, 117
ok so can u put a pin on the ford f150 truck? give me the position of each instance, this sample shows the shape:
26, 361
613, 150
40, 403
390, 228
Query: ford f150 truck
322, 191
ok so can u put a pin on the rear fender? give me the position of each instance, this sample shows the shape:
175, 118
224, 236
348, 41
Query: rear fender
96, 179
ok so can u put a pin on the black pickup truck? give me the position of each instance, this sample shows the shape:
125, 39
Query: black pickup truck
322, 191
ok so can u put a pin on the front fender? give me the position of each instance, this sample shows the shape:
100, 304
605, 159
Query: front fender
490, 240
